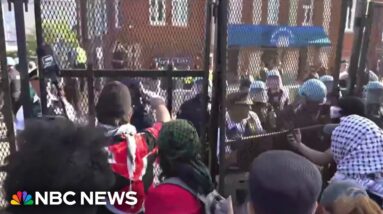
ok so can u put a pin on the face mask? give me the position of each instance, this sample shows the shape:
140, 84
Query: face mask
335, 112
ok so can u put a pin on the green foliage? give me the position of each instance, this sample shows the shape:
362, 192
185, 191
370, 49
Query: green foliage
59, 30
31, 45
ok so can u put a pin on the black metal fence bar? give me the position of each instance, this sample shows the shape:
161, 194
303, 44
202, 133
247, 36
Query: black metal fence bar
222, 68
22, 54
91, 96
205, 89
339, 46
360, 18
7, 108
39, 41
365, 46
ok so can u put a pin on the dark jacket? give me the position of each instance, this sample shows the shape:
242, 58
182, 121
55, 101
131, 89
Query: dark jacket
194, 111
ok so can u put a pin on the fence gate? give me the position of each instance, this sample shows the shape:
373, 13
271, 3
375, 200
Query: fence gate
7, 135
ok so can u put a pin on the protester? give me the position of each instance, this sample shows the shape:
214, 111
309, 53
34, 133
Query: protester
358, 205
278, 95
56, 155
152, 86
54, 106
347, 106
357, 149
194, 110
283, 182
240, 120
142, 117
133, 172
15, 84
179, 148
339, 190
374, 99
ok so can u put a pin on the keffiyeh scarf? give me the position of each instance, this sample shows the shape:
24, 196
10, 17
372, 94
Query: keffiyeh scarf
357, 148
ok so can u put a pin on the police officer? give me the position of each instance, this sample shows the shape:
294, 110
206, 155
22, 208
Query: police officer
306, 112
265, 112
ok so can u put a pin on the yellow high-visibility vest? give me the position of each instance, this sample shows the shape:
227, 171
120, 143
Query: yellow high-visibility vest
81, 55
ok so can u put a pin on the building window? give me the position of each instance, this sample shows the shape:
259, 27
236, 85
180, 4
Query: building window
117, 13
273, 12
157, 12
308, 8
180, 13
350, 19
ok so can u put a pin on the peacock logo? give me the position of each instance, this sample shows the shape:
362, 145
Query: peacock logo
22, 198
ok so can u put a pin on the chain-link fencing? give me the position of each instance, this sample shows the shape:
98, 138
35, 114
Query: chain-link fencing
161, 45
281, 68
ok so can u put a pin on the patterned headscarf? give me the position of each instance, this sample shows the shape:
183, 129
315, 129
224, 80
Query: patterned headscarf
179, 148
357, 147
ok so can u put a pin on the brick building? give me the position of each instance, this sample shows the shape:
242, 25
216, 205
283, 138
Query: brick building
289, 13
153, 32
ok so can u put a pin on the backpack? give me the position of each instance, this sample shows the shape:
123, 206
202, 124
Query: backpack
213, 202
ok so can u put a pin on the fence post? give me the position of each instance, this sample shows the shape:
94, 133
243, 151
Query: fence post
91, 96
339, 45
360, 17
7, 108
169, 88
205, 91
26, 101
39, 41
364, 48
221, 86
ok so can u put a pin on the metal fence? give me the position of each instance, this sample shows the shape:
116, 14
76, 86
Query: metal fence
165, 45
161, 42
259, 40
7, 135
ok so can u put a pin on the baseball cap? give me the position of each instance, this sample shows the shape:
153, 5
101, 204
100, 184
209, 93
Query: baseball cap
283, 180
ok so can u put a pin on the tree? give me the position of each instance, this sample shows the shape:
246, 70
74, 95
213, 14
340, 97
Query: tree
31, 45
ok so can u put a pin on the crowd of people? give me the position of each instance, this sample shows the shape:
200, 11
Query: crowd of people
139, 146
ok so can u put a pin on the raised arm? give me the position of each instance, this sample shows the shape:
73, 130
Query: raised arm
161, 112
